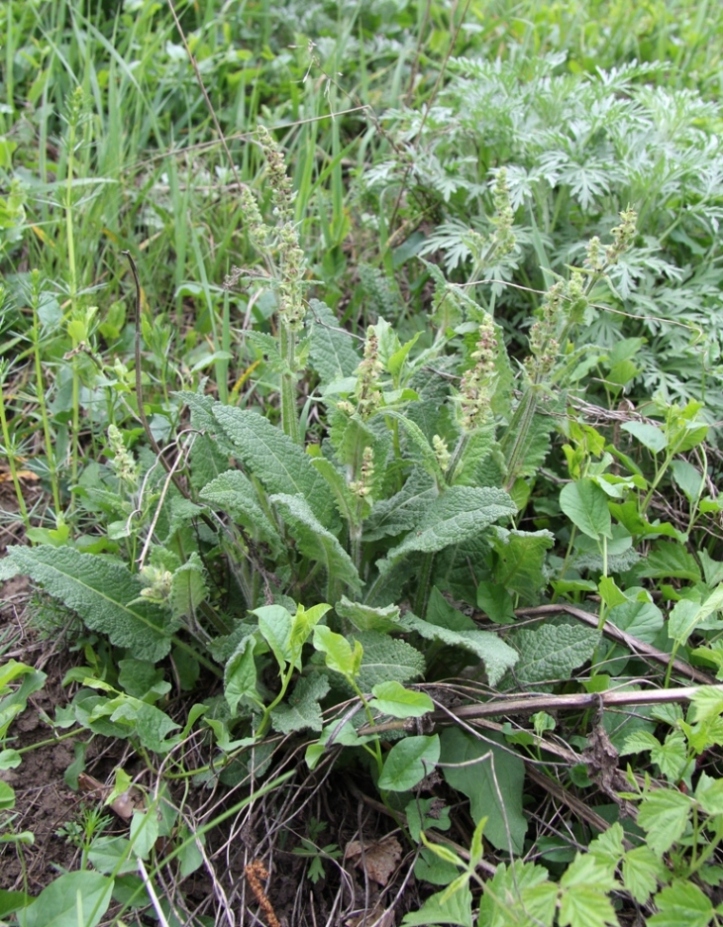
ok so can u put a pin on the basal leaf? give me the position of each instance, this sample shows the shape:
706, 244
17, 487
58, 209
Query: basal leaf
314, 541
586, 505
387, 659
496, 655
303, 711
493, 784
331, 349
520, 561
552, 650
239, 679
458, 514
73, 895
279, 463
403, 510
104, 593
366, 618
408, 762
233, 492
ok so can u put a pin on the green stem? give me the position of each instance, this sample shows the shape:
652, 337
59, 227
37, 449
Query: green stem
289, 417
10, 453
425, 578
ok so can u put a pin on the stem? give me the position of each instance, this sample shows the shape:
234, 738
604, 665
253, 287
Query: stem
40, 386
289, 417
10, 453
421, 600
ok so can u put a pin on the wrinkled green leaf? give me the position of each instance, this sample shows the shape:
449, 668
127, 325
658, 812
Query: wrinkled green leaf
408, 762
104, 593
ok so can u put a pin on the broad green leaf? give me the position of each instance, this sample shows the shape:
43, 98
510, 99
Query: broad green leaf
438, 909
387, 659
12, 901
586, 905
314, 541
391, 698
331, 348
275, 628
104, 593
496, 655
496, 602
682, 903
641, 871
460, 513
650, 436
688, 478
188, 588
429, 867
144, 832
610, 593
7, 796
366, 618
709, 794
239, 679
303, 711
493, 784
279, 463
520, 561
148, 723
339, 654
551, 651
408, 762
403, 510
586, 505
668, 560
641, 619
664, 814
346, 502
686, 616
71, 896
302, 624
233, 492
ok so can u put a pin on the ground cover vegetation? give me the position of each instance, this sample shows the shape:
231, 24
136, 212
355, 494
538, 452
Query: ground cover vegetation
360, 393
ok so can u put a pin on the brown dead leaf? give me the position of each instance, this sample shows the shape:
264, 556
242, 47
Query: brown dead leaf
379, 860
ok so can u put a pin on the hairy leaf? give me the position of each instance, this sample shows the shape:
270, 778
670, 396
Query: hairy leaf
104, 593
331, 351
387, 659
552, 650
496, 655
233, 492
280, 465
403, 510
314, 541
303, 711
520, 561
458, 514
